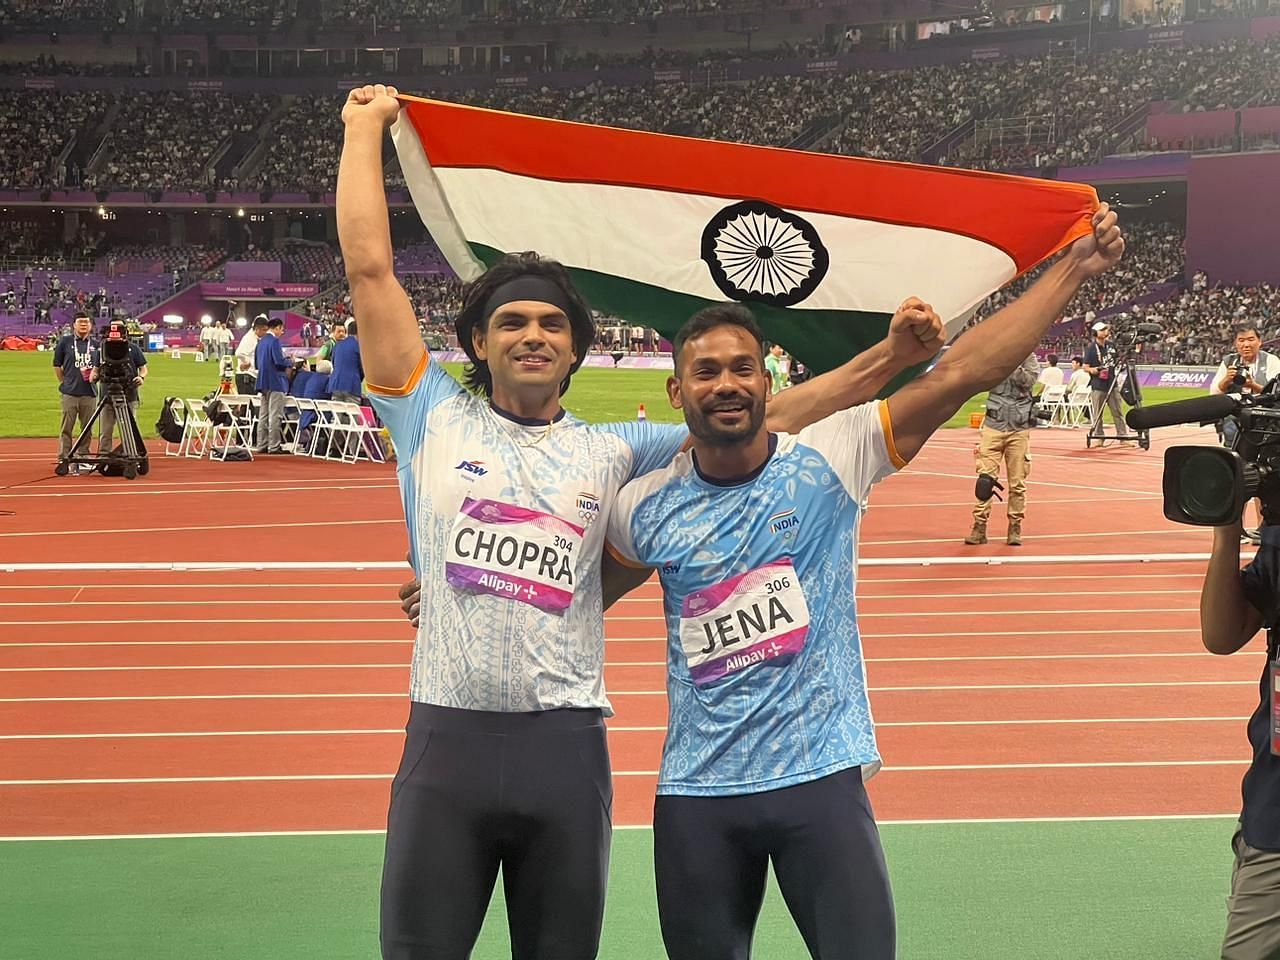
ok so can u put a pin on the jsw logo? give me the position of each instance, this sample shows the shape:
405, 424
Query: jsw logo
472, 468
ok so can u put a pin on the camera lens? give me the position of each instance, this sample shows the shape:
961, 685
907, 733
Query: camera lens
1206, 485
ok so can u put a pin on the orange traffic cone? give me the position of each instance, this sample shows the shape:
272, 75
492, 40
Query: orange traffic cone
640, 414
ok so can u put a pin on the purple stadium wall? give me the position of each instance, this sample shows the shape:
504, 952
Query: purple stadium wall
1233, 217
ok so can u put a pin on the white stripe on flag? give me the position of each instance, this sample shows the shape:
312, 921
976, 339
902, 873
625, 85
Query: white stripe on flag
874, 266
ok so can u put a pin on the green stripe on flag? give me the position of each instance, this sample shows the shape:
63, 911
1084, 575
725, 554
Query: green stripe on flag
821, 339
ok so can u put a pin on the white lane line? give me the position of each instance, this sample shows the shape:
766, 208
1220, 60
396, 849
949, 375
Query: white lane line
648, 693
286, 834
612, 728
136, 531
389, 600
203, 621
201, 643
266, 585
192, 491
327, 777
404, 664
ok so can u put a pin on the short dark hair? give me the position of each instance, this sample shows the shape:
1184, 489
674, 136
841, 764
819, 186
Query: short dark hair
1245, 326
475, 295
1079, 360
1053, 359
260, 321
81, 315
351, 329
719, 315
274, 322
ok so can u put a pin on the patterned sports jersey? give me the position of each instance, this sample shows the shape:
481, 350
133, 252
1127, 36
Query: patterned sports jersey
506, 528
765, 682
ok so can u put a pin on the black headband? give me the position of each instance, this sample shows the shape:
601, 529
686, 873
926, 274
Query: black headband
539, 289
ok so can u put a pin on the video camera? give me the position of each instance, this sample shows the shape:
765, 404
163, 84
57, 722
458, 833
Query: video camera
115, 367
1209, 486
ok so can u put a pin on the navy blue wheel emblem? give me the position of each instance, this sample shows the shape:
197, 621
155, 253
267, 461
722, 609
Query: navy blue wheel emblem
762, 253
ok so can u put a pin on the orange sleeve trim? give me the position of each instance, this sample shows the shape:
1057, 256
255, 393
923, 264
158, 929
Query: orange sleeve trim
887, 425
409, 386
623, 560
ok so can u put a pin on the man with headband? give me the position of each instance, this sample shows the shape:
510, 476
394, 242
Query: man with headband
506, 496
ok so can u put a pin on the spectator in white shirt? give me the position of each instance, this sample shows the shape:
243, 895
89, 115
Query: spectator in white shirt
1079, 375
1051, 376
246, 367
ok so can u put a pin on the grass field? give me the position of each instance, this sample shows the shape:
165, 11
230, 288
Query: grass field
1048, 890
29, 396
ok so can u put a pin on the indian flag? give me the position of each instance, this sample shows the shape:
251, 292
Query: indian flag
654, 227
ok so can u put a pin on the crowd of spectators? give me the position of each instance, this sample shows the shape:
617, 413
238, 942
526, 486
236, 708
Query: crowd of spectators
36, 126
164, 140
1067, 109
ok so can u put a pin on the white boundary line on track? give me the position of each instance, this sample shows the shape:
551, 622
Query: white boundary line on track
340, 777
399, 565
191, 491
404, 664
135, 531
399, 731
648, 693
287, 834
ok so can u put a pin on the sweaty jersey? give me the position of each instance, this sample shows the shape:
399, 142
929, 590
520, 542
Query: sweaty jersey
506, 528
765, 678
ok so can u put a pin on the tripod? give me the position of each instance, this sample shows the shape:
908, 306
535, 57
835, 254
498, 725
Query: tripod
129, 459
1130, 390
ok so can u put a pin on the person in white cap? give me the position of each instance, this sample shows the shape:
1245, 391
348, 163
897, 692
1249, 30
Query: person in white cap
1100, 362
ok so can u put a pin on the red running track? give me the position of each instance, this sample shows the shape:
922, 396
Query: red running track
212, 701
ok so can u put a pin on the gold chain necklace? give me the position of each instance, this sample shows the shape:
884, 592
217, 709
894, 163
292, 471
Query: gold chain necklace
516, 435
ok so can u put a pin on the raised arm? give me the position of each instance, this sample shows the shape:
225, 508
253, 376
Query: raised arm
988, 353
390, 347
915, 336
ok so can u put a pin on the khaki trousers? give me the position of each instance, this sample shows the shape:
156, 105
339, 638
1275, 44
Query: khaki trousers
1014, 448
74, 408
1253, 909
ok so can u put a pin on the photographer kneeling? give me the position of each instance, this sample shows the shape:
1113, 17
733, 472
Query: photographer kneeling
1234, 605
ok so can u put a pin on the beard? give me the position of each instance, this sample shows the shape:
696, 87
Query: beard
704, 426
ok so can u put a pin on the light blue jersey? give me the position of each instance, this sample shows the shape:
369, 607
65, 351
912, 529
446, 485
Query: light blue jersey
765, 682
506, 529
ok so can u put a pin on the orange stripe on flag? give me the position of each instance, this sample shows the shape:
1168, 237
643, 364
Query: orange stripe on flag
1019, 215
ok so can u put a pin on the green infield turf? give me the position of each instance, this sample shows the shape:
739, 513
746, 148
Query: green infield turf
1101, 890
29, 404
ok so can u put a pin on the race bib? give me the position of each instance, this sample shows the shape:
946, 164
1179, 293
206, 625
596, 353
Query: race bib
757, 617
513, 552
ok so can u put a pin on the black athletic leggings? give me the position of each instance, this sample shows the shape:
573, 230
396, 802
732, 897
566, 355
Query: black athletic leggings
528, 791
712, 854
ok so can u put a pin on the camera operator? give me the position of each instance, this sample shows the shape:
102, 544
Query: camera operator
75, 363
1006, 435
1250, 368
1234, 605
137, 376
1247, 371
1100, 363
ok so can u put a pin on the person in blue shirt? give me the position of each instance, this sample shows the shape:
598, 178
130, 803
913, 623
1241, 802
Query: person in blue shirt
754, 536
75, 362
273, 386
346, 383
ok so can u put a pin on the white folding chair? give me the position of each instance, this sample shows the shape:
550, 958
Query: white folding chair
239, 432
1054, 400
178, 407
329, 427
304, 443
370, 446
1079, 408
195, 434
